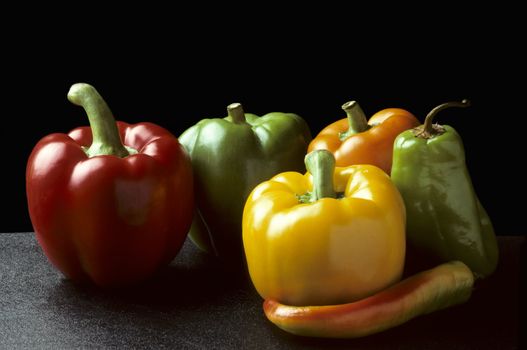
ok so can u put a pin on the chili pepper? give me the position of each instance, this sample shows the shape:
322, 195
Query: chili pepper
438, 288
445, 217
353, 140
104, 211
333, 235
230, 156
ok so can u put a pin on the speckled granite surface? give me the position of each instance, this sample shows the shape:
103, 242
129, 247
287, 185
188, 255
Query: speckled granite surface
195, 304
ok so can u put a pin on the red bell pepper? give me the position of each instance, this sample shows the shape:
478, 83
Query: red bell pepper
104, 211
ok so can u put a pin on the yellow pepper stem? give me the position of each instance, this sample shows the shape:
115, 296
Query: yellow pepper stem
321, 165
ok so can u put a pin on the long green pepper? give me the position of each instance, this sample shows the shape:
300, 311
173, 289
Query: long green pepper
445, 218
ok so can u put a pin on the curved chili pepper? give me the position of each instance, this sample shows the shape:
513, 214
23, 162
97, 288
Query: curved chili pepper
438, 288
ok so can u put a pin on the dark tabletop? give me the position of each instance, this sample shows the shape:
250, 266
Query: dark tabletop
196, 304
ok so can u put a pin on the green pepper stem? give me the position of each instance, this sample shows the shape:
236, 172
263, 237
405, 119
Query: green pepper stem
236, 113
106, 138
321, 165
428, 124
356, 119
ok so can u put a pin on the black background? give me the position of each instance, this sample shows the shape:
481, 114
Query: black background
174, 73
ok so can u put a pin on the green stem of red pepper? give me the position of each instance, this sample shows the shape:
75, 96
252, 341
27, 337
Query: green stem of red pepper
321, 165
428, 129
356, 119
236, 113
106, 138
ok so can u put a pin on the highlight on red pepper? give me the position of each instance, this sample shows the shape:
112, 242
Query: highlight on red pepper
109, 203
356, 140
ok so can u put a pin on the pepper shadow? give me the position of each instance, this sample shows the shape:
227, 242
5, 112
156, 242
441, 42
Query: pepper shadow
192, 280
193, 301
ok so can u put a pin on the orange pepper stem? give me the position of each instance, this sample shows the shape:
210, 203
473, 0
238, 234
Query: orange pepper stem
236, 112
321, 165
356, 119
428, 127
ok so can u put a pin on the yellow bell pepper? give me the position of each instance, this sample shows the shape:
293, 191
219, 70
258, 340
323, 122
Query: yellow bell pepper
331, 236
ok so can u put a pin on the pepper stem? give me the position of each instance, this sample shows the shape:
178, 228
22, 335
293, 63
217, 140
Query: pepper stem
428, 124
236, 113
356, 119
106, 138
321, 165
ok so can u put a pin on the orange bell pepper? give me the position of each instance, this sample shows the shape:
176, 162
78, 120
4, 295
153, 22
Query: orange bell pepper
354, 140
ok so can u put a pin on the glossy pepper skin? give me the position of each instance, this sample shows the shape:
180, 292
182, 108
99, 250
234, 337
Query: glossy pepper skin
230, 156
107, 213
445, 221
331, 236
353, 140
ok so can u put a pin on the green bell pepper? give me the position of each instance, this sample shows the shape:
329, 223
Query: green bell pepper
445, 219
230, 156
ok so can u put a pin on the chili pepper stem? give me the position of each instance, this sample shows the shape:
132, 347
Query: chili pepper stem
356, 119
428, 129
321, 165
106, 138
236, 112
